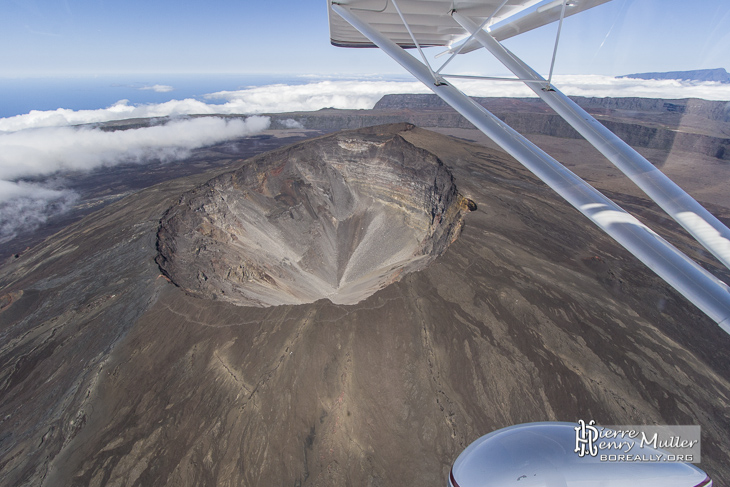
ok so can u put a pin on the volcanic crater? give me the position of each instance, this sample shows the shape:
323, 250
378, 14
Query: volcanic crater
339, 219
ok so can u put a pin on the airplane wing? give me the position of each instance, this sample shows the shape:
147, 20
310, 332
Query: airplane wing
432, 25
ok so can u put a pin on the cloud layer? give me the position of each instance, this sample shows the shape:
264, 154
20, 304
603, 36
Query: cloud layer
353, 95
290, 123
26, 206
312, 96
44, 151
364, 94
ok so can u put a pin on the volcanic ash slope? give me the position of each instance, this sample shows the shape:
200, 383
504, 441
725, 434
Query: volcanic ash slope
112, 375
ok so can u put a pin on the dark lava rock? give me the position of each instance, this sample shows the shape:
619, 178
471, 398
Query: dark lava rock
110, 375
338, 219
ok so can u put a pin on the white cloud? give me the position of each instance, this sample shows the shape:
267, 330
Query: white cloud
603, 86
345, 94
25, 206
313, 96
119, 111
263, 99
158, 88
14, 190
43, 151
364, 94
290, 123
607, 86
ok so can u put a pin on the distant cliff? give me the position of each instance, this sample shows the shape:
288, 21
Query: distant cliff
690, 124
718, 74
712, 110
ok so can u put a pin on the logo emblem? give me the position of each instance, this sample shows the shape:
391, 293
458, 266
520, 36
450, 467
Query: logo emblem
585, 438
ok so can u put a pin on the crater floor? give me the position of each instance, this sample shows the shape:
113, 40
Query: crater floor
339, 219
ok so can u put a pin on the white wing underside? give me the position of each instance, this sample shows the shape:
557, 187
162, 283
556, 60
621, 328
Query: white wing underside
432, 24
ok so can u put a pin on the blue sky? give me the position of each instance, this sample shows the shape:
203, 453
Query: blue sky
96, 37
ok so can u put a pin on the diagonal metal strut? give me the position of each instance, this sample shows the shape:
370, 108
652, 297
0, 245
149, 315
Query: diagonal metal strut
700, 287
703, 225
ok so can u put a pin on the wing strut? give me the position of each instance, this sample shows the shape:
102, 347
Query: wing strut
708, 230
703, 289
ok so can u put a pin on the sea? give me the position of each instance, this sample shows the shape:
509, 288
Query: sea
21, 95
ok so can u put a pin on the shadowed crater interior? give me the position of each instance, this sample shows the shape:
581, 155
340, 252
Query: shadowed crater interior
337, 217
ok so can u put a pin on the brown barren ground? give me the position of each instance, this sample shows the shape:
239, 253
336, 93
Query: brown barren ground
111, 375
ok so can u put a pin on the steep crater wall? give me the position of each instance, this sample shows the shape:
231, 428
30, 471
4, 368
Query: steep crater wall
338, 217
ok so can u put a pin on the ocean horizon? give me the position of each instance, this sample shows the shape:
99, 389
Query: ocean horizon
24, 94
276, 93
